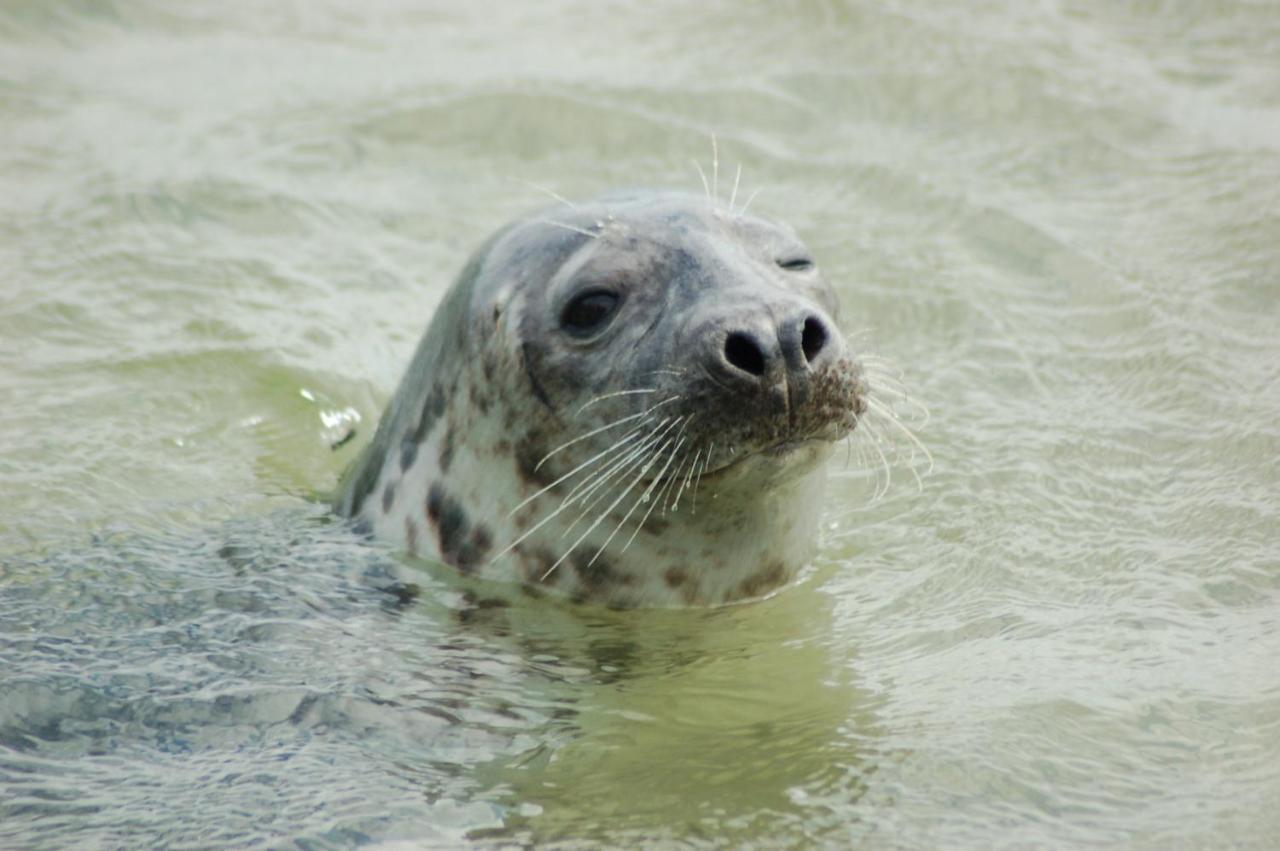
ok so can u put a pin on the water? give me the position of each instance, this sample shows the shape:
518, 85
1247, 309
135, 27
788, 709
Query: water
223, 227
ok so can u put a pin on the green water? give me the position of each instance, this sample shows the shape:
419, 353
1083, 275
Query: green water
224, 225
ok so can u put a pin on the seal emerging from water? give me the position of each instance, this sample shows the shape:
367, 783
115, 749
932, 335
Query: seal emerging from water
627, 402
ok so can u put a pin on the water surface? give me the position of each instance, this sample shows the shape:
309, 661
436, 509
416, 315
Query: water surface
224, 226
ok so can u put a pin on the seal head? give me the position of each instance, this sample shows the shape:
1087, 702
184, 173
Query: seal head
627, 402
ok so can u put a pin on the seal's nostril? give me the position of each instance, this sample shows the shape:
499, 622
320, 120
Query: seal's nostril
812, 338
743, 352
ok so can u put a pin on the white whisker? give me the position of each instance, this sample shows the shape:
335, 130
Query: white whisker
715, 170
575, 494
643, 469
750, 198
621, 441
546, 191
573, 228
893, 420
906, 399
693, 508
596, 431
633, 460
615, 394
669, 491
653, 503
733, 197
594, 480
884, 462
687, 479
705, 186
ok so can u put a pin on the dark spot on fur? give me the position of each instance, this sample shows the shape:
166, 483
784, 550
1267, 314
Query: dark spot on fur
408, 453
675, 577
534, 564
595, 573
452, 530
488, 366
473, 551
432, 409
362, 527
763, 581
656, 525
528, 453
479, 398
446, 448
410, 536
388, 497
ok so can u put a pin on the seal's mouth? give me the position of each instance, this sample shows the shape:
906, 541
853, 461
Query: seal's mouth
777, 455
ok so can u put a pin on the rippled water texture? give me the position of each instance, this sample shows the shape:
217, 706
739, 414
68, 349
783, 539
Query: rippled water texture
224, 225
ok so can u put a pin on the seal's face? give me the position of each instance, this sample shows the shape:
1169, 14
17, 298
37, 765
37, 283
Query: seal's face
651, 383
677, 314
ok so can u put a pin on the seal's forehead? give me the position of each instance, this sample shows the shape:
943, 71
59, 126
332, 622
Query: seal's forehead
531, 249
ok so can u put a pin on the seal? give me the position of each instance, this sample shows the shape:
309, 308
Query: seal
627, 402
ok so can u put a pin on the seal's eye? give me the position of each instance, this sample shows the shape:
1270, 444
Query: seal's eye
795, 264
588, 312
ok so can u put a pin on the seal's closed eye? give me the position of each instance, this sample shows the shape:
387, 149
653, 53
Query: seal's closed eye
795, 264
588, 312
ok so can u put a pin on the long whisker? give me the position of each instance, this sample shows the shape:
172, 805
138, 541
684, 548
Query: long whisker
573, 496
643, 469
637, 455
877, 439
670, 491
633, 460
750, 198
693, 509
688, 477
906, 399
705, 186
606, 427
893, 420
621, 441
644, 497
615, 394
653, 503
546, 191
573, 228
715, 170
732, 197
594, 480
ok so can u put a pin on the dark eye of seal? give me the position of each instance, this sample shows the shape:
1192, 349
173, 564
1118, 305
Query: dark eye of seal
588, 312
795, 264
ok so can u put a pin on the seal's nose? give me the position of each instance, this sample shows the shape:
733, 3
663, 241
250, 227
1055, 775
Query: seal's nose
766, 354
